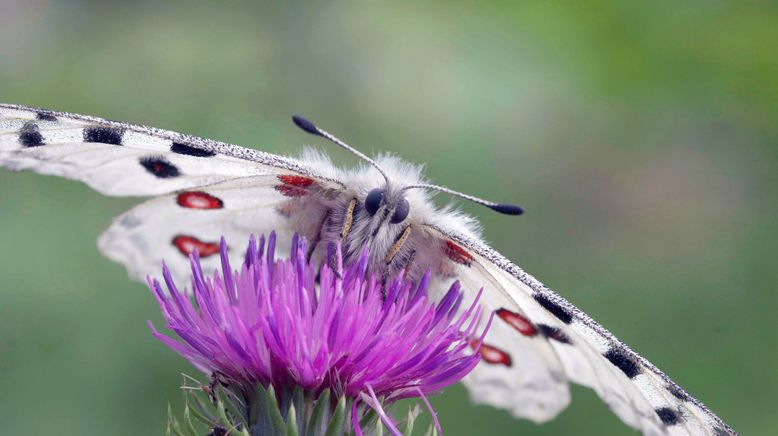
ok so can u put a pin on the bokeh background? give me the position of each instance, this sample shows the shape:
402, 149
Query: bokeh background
640, 137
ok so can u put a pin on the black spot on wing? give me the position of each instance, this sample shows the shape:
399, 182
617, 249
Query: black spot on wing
159, 167
188, 150
553, 307
621, 360
45, 116
29, 135
104, 135
678, 392
668, 416
554, 333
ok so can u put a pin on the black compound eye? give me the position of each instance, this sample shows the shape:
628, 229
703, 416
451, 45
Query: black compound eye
400, 211
374, 199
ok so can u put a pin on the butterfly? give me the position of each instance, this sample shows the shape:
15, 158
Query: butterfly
202, 189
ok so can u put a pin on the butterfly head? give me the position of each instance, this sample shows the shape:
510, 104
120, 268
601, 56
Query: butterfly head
395, 206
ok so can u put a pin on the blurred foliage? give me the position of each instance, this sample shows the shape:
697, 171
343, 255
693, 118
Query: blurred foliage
641, 138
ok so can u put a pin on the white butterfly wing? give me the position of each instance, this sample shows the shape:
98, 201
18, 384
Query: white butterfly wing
519, 372
528, 314
206, 188
170, 226
123, 159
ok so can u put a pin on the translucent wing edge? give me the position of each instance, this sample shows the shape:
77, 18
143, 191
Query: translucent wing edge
224, 148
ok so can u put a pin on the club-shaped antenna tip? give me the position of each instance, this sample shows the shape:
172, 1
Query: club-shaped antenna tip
507, 209
306, 125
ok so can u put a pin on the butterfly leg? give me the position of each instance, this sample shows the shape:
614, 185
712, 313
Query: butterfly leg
397, 245
349, 219
391, 256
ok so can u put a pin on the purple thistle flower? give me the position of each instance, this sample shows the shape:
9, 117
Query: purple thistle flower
270, 323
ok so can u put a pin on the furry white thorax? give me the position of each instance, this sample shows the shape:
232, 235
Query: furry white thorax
376, 232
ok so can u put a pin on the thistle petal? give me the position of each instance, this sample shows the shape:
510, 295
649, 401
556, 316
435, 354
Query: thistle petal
268, 323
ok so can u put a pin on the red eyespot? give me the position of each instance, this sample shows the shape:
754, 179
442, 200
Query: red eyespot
198, 200
492, 354
458, 254
521, 324
291, 191
294, 186
187, 244
299, 181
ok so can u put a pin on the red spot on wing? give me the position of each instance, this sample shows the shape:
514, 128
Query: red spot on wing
492, 354
458, 254
198, 200
299, 181
291, 191
187, 244
294, 186
520, 323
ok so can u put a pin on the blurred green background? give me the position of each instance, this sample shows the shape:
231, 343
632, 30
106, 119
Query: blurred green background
640, 137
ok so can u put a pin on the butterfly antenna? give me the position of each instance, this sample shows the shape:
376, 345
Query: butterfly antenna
314, 130
507, 209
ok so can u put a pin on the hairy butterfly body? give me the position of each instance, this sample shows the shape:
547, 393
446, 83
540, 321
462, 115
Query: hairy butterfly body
204, 189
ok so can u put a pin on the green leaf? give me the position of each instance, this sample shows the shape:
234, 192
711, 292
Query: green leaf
335, 427
255, 412
199, 409
234, 408
370, 417
413, 412
171, 422
291, 422
316, 425
432, 431
220, 412
223, 419
298, 402
271, 407
188, 420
